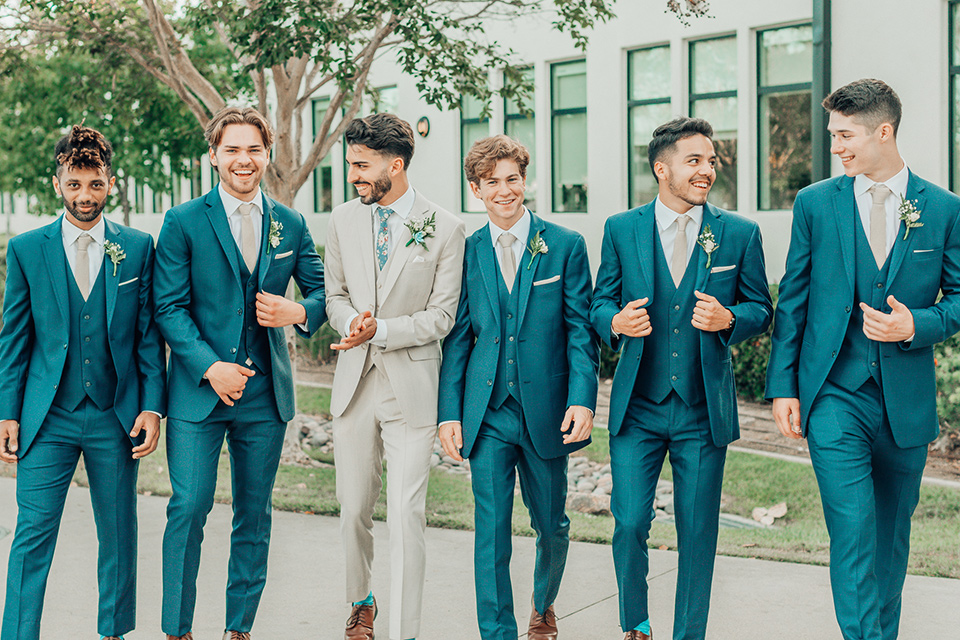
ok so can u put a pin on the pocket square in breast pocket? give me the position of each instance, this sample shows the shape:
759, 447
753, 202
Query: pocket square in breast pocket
280, 256
417, 259
723, 268
923, 250
128, 281
547, 281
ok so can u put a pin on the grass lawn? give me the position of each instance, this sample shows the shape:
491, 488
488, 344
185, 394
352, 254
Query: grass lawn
750, 481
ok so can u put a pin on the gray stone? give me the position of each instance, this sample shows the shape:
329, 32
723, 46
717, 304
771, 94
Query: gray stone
588, 503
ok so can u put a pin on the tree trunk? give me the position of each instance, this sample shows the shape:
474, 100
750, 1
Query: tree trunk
124, 200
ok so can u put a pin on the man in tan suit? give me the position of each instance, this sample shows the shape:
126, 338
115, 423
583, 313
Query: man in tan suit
393, 267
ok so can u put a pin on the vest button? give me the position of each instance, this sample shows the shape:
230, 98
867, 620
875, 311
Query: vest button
674, 378
675, 354
509, 384
239, 312
87, 339
250, 328
676, 307
64, 346
873, 364
509, 361
496, 340
88, 383
879, 285
510, 338
86, 317
509, 316
233, 350
87, 361
833, 355
676, 330
847, 309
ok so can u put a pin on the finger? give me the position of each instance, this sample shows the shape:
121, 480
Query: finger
895, 304
567, 419
246, 372
13, 444
704, 296
870, 312
458, 437
6, 455
137, 428
226, 399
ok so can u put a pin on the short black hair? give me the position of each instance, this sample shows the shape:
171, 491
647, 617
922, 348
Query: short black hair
83, 148
871, 101
385, 133
667, 135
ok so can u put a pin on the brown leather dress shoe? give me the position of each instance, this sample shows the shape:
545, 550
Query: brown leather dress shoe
637, 635
236, 635
543, 626
360, 622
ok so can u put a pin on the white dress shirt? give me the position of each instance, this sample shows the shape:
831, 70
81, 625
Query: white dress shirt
898, 188
231, 205
71, 232
667, 227
520, 231
401, 207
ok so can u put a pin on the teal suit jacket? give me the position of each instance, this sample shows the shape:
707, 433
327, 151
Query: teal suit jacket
817, 297
36, 327
557, 352
200, 299
739, 284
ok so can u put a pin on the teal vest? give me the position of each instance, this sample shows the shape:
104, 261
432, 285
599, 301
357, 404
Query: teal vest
254, 342
88, 370
671, 353
507, 380
859, 357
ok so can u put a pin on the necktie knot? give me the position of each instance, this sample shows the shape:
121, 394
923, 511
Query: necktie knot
83, 241
384, 213
879, 192
245, 209
506, 240
682, 221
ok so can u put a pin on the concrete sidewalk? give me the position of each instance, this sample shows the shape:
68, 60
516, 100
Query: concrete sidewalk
752, 599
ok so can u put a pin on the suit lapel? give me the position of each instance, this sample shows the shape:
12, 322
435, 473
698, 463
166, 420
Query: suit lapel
221, 228
112, 233
646, 231
711, 217
526, 276
266, 253
845, 208
900, 246
489, 270
56, 260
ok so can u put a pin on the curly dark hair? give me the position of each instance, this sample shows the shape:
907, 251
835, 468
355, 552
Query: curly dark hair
83, 148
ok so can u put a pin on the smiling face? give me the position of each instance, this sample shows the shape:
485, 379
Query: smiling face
686, 173
860, 149
377, 177
240, 159
502, 193
84, 192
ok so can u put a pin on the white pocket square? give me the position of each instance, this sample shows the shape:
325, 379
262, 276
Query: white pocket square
128, 281
723, 268
282, 255
923, 250
417, 259
547, 281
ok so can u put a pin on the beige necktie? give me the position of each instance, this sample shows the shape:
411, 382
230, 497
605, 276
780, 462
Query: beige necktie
81, 269
678, 264
878, 222
248, 243
508, 261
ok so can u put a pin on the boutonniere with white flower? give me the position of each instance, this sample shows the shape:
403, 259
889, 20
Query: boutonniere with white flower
274, 237
421, 230
537, 246
909, 215
115, 252
708, 243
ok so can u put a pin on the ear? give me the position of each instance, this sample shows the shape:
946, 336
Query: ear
475, 189
113, 181
396, 166
886, 132
660, 169
213, 157
56, 186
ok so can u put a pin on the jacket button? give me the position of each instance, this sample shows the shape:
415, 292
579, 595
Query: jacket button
676, 307
833, 355
86, 317
879, 285
496, 340
233, 350
676, 330
489, 383
674, 378
87, 339
88, 383
847, 309
239, 312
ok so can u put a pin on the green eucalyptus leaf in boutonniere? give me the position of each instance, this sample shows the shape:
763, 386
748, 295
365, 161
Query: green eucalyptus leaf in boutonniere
708, 243
909, 215
274, 237
537, 246
115, 252
421, 230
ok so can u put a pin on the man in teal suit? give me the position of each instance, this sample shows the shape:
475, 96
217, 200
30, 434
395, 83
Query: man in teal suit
223, 264
852, 364
518, 383
680, 281
82, 370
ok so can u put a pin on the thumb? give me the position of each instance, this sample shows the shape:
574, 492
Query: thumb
458, 437
567, 419
246, 372
365, 314
137, 428
895, 304
795, 415
639, 303
702, 296
12, 443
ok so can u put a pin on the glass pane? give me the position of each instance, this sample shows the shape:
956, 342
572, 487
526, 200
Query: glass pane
955, 170
323, 173
649, 73
714, 64
786, 56
955, 20
471, 107
722, 114
512, 107
470, 133
785, 156
643, 120
570, 85
524, 130
570, 162
385, 100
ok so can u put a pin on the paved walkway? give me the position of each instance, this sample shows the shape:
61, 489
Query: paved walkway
753, 599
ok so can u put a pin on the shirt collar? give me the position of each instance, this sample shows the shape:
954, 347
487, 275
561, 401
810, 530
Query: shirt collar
402, 206
520, 228
230, 203
71, 232
667, 216
897, 184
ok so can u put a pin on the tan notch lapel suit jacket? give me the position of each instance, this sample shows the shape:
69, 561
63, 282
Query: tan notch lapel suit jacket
415, 295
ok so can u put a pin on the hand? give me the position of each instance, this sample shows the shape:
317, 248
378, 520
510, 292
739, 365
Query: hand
633, 320
895, 326
9, 431
786, 413
451, 439
579, 422
278, 311
149, 423
710, 315
363, 327
228, 380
